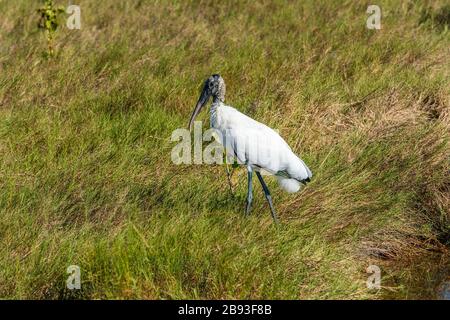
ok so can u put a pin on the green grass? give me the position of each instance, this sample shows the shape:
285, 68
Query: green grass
86, 177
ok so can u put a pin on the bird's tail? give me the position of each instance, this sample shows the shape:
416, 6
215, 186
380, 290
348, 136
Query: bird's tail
289, 185
299, 170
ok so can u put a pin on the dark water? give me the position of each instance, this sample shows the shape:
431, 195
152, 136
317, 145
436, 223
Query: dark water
444, 290
426, 279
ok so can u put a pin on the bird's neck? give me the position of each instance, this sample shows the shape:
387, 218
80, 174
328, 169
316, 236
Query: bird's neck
214, 106
218, 99
217, 103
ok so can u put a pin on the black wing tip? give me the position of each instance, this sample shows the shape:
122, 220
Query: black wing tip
305, 181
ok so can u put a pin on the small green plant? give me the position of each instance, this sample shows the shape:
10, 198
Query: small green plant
48, 21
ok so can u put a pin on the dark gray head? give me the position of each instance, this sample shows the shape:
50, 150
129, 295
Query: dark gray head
214, 87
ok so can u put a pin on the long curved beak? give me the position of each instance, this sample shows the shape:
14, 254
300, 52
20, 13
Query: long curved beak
204, 96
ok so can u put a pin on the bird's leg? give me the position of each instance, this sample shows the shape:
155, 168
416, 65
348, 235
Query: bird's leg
229, 179
249, 190
268, 196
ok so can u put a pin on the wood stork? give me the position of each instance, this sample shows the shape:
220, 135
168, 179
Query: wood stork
254, 144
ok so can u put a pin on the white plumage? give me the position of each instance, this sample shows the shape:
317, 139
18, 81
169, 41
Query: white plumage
259, 146
254, 144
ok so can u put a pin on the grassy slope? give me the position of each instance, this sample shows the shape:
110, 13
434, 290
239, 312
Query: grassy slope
85, 170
